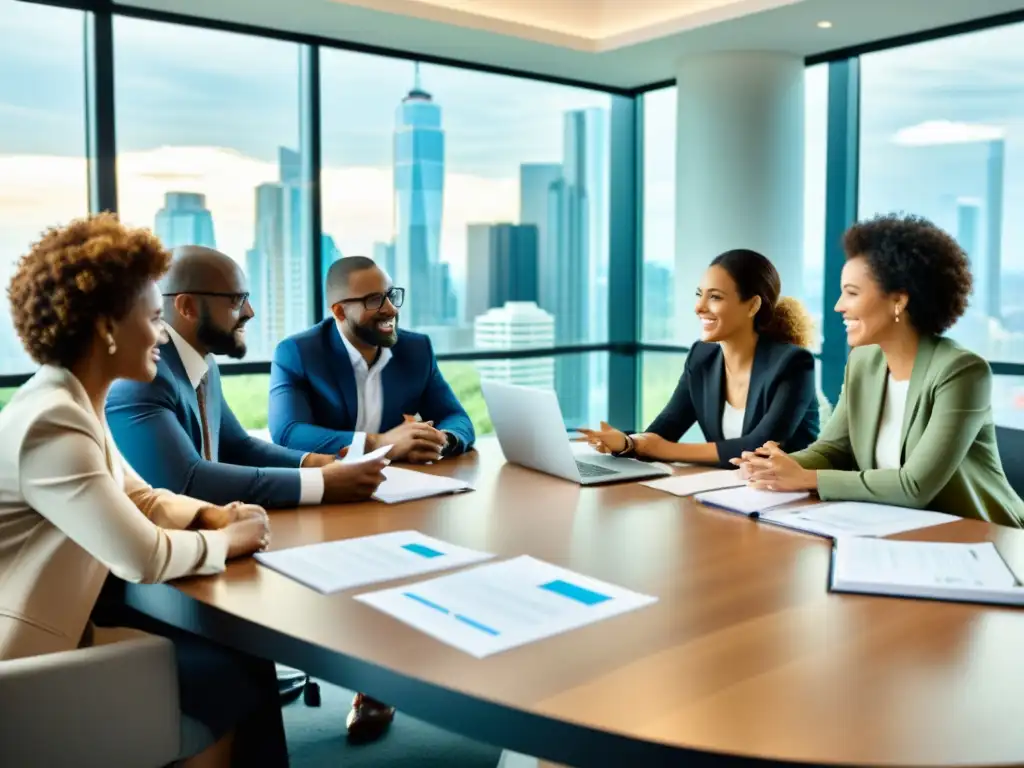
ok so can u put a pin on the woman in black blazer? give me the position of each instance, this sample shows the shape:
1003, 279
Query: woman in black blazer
749, 379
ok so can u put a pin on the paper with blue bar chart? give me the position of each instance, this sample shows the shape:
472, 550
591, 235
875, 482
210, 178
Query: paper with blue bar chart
494, 607
336, 565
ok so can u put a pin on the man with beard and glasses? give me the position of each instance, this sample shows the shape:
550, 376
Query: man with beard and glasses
177, 431
356, 379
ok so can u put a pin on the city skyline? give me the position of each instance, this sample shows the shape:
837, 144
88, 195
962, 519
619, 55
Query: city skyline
208, 111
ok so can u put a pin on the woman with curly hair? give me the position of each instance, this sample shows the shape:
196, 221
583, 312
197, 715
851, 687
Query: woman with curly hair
86, 306
913, 426
749, 379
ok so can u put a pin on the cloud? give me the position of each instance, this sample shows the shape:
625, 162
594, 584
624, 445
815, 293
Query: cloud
37, 191
933, 132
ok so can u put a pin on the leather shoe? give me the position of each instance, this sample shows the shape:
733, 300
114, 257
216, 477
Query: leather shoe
368, 720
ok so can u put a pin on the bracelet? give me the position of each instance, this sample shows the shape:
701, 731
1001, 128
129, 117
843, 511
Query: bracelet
630, 447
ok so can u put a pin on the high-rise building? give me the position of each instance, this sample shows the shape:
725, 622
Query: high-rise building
501, 266
185, 220
329, 254
577, 242
419, 193
278, 263
478, 271
994, 191
516, 325
384, 256
535, 180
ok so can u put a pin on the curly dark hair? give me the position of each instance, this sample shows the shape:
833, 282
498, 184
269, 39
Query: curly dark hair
92, 268
909, 254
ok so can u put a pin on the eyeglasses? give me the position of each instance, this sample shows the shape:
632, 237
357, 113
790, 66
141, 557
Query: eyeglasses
237, 299
374, 301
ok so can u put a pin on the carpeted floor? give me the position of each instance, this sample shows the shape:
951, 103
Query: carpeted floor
316, 739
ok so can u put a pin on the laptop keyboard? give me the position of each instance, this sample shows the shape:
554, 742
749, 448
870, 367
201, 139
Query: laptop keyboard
592, 470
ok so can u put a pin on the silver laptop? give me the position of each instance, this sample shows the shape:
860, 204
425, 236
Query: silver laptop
531, 432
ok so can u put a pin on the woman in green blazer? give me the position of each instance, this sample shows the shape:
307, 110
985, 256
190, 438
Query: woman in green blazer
913, 426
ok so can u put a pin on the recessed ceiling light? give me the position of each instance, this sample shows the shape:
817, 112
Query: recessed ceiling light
824, 25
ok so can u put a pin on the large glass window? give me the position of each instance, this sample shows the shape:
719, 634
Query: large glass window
664, 321
485, 196
942, 134
43, 171
210, 153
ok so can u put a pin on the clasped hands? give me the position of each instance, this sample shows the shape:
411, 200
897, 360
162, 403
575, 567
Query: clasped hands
769, 468
246, 525
417, 442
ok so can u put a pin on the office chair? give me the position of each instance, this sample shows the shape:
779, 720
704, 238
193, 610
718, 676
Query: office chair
1011, 445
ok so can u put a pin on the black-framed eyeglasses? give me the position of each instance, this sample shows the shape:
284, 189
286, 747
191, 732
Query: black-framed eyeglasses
237, 299
374, 301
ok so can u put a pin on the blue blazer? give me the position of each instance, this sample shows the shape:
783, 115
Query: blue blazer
156, 427
782, 402
314, 402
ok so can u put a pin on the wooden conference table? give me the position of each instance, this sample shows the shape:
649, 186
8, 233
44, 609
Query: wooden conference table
745, 655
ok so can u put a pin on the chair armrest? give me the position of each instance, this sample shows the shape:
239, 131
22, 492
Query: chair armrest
114, 703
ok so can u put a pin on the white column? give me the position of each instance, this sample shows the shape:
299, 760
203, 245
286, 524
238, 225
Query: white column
739, 165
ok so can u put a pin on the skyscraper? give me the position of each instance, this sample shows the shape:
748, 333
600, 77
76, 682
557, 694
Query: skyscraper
995, 164
535, 180
278, 264
577, 248
419, 192
516, 325
384, 256
501, 266
185, 220
329, 254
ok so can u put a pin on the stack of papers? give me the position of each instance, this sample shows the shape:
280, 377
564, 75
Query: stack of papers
749, 501
494, 607
407, 485
932, 570
853, 518
336, 565
688, 485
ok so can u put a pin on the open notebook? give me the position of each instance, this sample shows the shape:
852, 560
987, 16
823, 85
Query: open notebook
749, 501
971, 573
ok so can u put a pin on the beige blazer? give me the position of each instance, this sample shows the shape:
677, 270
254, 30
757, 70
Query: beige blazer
72, 510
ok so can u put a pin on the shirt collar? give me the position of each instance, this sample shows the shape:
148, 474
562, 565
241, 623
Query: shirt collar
356, 357
196, 366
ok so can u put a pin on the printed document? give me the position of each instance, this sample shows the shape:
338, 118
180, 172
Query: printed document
362, 458
939, 570
854, 518
335, 565
494, 607
688, 485
749, 501
407, 485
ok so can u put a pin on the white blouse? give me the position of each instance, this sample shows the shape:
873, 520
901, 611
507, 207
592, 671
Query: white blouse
732, 421
890, 428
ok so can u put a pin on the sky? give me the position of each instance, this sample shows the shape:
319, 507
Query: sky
205, 111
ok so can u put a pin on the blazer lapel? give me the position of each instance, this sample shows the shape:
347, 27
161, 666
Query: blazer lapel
757, 381
185, 391
872, 397
343, 374
713, 396
922, 362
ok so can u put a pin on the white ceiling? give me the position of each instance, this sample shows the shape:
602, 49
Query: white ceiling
619, 43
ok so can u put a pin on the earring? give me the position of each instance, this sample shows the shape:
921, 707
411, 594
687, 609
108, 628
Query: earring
111, 346
897, 313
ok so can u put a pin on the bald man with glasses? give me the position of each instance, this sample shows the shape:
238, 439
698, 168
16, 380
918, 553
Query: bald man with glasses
355, 377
